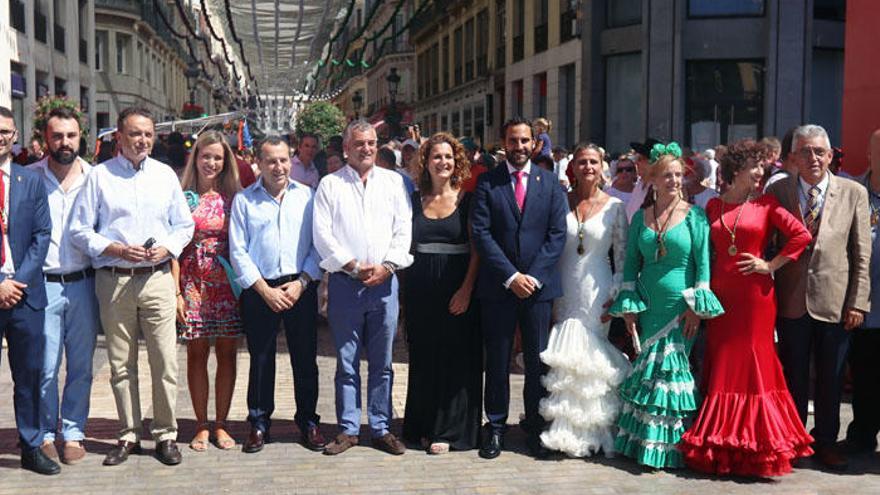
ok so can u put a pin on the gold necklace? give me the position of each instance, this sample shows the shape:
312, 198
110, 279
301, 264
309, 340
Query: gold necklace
731, 250
661, 233
580, 231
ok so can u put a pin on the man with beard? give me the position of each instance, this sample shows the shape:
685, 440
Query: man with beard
71, 325
131, 218
24, 237
518, 223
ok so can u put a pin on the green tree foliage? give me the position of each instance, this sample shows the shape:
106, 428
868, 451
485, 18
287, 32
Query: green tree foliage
321, 118
48, 103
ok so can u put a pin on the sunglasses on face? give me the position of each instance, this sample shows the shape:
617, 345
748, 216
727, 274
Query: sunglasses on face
625, 169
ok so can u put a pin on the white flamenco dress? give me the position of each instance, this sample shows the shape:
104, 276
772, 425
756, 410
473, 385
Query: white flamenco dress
585, 368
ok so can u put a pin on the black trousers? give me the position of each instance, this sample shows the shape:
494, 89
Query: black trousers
828, 343
300, 327
864, 361
23, 328
499, 321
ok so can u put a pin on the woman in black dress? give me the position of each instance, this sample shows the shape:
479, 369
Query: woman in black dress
443, 403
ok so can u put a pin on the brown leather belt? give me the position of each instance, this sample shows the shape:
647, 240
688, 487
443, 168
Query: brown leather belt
141, 270
66, 278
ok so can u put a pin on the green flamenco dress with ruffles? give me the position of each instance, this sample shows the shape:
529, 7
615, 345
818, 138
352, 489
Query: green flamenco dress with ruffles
659, 394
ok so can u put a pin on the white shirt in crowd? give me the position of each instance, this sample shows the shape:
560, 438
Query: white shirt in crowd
637, 197
303, 174
8, 267
122, 204
63, 256
370, 223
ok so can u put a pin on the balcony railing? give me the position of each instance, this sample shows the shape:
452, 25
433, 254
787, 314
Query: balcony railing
429, 17
519, 44
568, 26
541, 38
16, 15
60, 42
40, 26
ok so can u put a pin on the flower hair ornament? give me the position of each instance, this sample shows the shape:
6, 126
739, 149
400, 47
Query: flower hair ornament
660, 149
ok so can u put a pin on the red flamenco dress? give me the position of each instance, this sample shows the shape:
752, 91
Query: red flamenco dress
747, 424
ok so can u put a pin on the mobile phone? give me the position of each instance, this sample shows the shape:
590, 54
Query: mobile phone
149, 243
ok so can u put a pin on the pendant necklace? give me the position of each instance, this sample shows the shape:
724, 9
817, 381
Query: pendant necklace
580, 231
731, 250
661, 233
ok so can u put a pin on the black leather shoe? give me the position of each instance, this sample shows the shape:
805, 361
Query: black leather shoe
120, 452
536, 447
255, 442
37, 461
492, 444
168, 453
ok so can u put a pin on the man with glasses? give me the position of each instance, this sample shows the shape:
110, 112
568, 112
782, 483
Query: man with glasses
624, 177
25, 227
825, 293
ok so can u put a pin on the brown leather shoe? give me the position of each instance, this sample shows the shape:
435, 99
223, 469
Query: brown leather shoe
389, 443
255, 442
73, 452
340, 444
121, 451
49, 450
168, 453
831, 458
312, 439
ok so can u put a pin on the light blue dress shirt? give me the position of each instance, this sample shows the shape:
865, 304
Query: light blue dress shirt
270, 239
119, 203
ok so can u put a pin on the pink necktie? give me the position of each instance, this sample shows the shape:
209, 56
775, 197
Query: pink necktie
519, 190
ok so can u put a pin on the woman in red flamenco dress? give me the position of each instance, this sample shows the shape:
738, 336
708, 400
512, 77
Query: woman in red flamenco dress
747, 424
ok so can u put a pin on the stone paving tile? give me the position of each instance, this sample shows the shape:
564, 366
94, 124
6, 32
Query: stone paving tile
285, 467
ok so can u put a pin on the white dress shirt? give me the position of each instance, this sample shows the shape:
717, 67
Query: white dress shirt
63, 256
270, 239
122, 204
303, 174
634, 204
8, 268
804, 193
370, 223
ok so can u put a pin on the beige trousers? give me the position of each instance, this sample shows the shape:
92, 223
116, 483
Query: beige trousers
133, 306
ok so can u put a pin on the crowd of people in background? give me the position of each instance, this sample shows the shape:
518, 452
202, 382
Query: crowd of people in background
664, 304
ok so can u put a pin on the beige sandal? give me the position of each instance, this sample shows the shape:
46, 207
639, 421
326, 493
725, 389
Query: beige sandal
198, 444
224, 441
438, 448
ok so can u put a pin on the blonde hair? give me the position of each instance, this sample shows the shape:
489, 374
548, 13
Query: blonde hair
544, 124
227, 181
659, 167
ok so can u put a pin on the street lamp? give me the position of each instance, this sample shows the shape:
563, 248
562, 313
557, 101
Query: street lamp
192, 75
357, 102
392, 117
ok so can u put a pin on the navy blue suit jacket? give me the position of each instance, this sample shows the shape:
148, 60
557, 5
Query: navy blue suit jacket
509, 241
30, 228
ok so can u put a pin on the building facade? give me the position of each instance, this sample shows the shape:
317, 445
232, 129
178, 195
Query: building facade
704, 72
46, 48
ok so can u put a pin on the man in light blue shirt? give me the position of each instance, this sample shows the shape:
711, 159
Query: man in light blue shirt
270, 243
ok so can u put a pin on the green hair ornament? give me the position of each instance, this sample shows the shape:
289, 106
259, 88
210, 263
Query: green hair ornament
661, 149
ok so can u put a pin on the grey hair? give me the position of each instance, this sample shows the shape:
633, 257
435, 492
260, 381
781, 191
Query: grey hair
358, 125
809, 131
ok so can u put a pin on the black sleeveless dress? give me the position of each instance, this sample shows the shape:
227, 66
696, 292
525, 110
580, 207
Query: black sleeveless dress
444, 392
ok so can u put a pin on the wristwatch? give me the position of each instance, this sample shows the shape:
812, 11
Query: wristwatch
305, 280
356, 271
391, 267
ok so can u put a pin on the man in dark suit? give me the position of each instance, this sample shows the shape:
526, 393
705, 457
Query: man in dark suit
518, 224
24, 240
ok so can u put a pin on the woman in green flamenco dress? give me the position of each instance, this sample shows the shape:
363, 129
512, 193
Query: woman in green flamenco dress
664, 295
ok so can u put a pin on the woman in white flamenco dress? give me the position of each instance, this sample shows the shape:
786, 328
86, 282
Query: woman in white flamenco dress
585, 368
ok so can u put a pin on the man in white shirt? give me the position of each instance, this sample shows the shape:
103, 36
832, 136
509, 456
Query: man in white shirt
131, 217
71, 325
362, 231
302, 168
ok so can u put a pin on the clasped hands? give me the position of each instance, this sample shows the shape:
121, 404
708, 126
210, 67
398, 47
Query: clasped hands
137, 254
370, 275
523, 286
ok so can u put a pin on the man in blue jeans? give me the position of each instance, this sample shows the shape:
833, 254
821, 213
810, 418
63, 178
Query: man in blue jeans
71, 325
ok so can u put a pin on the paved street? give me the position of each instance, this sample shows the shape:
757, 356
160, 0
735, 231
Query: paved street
286, 467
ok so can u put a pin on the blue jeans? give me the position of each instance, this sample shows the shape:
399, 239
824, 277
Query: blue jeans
363, 318
70, 329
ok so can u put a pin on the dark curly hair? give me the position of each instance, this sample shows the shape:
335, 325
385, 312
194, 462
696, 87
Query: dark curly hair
462, 171
738, 156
